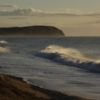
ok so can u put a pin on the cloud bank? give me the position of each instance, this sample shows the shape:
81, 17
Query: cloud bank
20, 12
7, 6
13, 10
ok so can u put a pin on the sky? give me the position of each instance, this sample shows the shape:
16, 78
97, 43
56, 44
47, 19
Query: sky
84, 5
74, 17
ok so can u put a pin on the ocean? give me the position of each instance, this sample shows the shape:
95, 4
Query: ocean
69, 65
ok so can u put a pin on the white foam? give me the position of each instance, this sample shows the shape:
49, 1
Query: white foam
70, 56
3, 42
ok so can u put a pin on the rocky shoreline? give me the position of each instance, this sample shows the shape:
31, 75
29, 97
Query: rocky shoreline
14, 88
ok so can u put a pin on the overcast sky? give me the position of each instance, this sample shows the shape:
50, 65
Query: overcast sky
84, 5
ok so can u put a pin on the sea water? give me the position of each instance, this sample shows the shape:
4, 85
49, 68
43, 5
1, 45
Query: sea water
44, 62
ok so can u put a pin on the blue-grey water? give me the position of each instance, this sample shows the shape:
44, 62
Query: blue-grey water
19, 58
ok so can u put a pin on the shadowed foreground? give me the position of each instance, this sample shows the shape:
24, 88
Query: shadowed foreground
13, 88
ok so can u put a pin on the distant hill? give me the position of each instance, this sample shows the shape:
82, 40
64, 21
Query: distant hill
49, 31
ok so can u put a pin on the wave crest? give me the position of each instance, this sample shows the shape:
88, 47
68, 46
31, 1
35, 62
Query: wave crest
69, 56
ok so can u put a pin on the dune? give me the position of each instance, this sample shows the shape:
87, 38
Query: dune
50, 31
14, 88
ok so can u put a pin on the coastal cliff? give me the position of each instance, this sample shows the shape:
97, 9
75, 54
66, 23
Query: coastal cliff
49, 31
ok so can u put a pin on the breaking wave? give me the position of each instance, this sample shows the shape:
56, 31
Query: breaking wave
4, 47
71, 57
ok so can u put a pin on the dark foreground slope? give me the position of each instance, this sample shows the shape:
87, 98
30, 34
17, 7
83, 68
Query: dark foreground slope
32, 30
13, 88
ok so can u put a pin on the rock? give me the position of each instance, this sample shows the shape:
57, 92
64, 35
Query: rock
13, 88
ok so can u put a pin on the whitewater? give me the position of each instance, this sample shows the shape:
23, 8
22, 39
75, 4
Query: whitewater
71, 57
70, 65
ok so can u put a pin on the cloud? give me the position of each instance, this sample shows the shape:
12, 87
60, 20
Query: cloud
20, 12
76, 12
7, 6
13, 10
70, 11
93, 14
